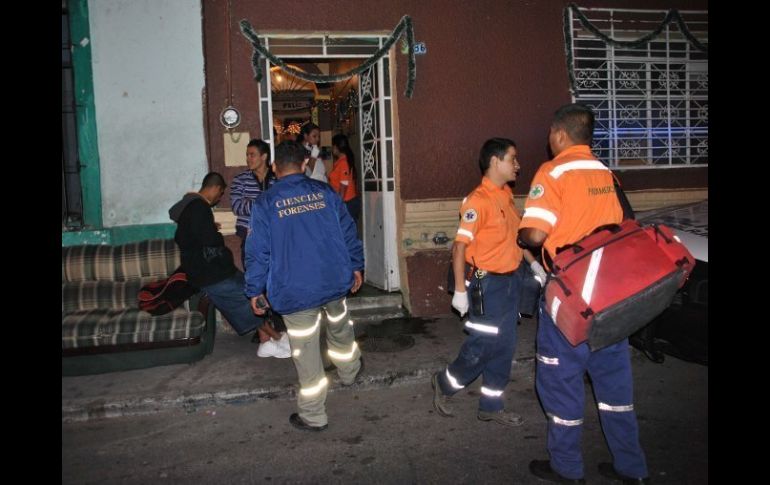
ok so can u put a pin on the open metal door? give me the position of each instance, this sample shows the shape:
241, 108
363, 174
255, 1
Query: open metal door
378, 198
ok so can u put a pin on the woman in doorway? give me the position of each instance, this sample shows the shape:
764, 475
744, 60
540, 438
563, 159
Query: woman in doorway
310, 136
343, 175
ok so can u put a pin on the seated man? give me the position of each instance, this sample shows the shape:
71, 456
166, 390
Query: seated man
209, 263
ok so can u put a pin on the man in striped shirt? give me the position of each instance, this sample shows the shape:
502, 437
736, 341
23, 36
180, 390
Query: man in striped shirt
247, 186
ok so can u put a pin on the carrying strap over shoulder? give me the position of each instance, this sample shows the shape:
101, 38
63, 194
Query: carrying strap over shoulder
628, 212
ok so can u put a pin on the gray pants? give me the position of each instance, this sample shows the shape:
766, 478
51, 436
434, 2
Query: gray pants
304, 328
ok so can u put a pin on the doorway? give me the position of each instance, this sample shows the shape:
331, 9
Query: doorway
359, 107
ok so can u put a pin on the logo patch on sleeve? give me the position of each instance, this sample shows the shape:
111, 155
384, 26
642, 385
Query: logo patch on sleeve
537, 191
469, 215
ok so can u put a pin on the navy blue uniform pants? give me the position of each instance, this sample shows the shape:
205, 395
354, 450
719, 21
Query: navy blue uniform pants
560, 386
489, 348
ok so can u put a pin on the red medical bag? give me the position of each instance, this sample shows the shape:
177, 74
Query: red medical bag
615, 281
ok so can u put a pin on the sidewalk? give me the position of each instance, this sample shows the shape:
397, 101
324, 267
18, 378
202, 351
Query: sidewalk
233, 373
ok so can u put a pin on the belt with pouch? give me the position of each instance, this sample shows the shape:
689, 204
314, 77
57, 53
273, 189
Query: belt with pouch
480, 273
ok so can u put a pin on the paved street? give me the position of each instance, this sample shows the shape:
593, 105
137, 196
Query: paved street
385, 434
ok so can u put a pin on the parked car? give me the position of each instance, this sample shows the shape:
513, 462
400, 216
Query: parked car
681, 330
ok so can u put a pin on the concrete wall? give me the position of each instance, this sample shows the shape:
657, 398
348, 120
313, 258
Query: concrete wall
148, 82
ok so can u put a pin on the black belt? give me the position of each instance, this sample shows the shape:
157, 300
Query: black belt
509, 273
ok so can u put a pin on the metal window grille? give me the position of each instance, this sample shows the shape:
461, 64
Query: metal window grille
72, 201
650, 102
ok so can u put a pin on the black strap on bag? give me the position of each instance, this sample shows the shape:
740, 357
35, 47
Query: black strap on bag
628, 211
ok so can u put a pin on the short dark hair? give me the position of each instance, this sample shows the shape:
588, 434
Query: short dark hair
213, 179
290, 153
262, 146
577, 120
493, 147
306, 129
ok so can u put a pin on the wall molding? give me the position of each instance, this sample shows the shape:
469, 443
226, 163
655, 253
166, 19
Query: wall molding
427, 219
118, 234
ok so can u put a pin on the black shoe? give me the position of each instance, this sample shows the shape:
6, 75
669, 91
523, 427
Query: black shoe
358, 378
608, 471
542, 469
440, 400
299, 423
654, 355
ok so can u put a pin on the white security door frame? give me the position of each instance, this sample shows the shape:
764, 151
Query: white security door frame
375, 131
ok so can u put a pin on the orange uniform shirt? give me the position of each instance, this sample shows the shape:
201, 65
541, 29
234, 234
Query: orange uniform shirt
570, 196
489, 224
340, 176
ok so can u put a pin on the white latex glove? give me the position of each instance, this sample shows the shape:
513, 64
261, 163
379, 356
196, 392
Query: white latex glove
460, 302
540, 274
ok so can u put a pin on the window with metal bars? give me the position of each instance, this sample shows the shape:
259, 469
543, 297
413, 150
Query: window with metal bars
649, 92
72, 201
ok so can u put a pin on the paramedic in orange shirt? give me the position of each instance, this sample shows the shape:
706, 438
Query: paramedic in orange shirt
570, 196
486, 238
342, 178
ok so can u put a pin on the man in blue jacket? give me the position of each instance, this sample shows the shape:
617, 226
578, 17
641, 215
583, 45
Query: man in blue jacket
303, 251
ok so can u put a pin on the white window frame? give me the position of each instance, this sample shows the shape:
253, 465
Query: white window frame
651, 102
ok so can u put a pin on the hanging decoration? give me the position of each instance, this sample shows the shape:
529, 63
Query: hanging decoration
671, 16
404, 27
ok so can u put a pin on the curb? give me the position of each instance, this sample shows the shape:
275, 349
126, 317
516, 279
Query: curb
191, 403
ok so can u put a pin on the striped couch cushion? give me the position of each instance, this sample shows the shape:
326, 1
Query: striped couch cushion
154, 258
89, 295
99, 327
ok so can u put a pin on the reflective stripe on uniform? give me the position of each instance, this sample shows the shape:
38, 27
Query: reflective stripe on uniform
341, 316
555, 304
307, 331
452, 381
565, 422
490, 392
616, 409
465, 232
577, 165
593, 269
540, 213
312, 391
482, 328
547, 360
341, 356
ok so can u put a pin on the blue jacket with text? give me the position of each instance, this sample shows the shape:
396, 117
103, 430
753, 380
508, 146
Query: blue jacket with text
302, 247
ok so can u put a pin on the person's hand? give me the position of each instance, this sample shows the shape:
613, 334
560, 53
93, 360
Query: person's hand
259, 308
540, 274
460, 302
359, 280
218, 226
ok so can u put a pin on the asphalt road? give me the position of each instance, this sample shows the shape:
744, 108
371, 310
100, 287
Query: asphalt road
386, 435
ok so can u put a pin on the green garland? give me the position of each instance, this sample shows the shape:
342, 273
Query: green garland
671, 16
404, 25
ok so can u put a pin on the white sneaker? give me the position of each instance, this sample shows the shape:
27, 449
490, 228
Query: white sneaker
273, 348
284, 341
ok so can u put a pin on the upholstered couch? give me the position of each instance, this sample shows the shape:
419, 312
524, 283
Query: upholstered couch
103, 330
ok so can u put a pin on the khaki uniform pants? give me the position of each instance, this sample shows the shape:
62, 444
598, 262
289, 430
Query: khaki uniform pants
304, 329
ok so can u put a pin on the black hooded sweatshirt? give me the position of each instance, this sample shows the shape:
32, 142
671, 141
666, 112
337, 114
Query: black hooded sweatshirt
205, 258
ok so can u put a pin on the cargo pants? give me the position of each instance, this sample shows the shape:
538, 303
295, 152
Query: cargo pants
560, 369
304, 329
